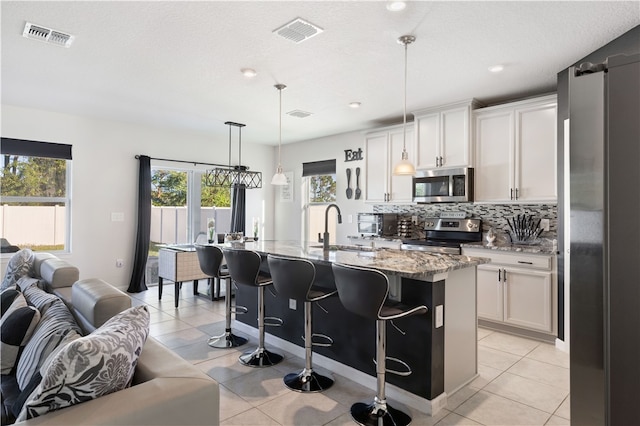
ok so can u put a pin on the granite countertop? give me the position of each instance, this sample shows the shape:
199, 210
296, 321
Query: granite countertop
411, 264
546, 246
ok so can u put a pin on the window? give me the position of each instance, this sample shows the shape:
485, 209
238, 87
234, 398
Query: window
36, 205
182, 206
320, 184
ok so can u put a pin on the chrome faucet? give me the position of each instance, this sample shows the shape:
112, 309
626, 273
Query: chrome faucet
325, 236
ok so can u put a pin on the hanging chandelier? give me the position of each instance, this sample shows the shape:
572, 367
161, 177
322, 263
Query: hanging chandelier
228, 176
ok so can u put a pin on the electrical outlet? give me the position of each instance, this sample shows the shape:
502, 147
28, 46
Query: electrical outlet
544, 224
119, 263
439, 316
292, 304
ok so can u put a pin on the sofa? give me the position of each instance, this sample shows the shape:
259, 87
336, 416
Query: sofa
164, 388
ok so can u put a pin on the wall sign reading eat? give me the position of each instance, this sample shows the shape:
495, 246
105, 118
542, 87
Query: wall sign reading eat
351, 155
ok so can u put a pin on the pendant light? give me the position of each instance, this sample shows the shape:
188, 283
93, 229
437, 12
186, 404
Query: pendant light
405, 167
279, 178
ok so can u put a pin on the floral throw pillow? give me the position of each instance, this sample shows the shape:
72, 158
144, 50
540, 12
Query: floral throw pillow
98, 364
19, 265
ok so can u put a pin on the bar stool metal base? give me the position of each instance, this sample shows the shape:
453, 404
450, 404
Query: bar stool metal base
260, 358
375, 414
226, 341
307, 381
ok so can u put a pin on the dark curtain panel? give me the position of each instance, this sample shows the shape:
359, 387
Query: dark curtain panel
238, 207
137, 283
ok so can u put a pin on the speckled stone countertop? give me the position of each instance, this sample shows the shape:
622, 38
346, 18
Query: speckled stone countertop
546, 246
411, 264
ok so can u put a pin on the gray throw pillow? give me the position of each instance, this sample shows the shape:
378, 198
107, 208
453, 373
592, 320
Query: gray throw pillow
19, 265
16, 328
91, 366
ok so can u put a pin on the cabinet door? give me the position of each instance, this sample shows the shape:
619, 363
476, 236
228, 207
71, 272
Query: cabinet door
527, 299
400, 186
455, 137
490, 299
377, 167
427, 140
536, 153
494, 156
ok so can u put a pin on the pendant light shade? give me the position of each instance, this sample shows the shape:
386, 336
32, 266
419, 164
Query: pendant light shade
405, 167
279, 178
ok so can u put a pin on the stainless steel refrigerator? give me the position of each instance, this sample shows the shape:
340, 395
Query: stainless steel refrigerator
604, 252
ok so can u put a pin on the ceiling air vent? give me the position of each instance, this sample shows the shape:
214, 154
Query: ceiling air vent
48, 35
299, 113
298, 30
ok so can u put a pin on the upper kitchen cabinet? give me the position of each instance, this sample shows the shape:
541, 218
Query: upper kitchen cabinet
443, 135
515, 151
383, 149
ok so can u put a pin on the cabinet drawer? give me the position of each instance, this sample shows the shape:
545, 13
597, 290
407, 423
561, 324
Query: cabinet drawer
521, 260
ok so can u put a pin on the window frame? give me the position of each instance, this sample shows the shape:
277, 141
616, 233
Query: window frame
67, 201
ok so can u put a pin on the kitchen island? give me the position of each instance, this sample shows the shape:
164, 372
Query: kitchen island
440, 347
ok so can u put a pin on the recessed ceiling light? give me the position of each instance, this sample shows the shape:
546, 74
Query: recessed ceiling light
496, 68
248, 72
354, 104
396, 6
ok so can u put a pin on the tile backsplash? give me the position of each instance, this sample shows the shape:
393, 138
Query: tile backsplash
492, 215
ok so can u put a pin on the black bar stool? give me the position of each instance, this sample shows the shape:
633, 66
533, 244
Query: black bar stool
210, 259
364, 292
294, 279
244, 268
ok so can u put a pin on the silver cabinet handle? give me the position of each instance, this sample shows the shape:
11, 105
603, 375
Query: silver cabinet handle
499, 270
441, 162
516, 193
526, 263
511, 193
437, 162
504, 274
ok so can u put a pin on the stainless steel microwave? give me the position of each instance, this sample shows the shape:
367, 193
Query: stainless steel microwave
377, 224
443, 185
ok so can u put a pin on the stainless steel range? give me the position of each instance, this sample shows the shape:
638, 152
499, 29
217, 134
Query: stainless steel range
445, 235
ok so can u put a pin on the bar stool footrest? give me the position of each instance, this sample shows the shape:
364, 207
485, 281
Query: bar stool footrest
374, 415
327, 343
404, 373
239, 310
273, 322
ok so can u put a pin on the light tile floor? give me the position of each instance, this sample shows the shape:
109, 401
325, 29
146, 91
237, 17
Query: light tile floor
522, 381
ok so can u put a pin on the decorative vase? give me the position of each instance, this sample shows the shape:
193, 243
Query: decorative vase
211, 230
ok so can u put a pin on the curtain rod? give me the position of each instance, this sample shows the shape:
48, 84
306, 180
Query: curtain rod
187, 162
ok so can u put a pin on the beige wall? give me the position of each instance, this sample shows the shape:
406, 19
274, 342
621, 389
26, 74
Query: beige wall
105, 174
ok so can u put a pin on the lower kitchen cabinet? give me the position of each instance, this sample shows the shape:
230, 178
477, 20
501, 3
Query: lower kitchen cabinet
517, 289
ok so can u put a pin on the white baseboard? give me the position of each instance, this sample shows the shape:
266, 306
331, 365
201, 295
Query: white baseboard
430, 407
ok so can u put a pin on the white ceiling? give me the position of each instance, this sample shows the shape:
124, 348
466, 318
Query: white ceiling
178, 63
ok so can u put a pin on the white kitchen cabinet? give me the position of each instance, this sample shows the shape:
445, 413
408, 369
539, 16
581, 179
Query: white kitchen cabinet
383, 149
515, 151
517, 289
443, 136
